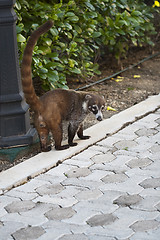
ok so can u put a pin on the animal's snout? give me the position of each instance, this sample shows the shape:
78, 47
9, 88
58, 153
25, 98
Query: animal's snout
99, 118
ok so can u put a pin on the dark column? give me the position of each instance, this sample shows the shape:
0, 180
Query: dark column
15, 126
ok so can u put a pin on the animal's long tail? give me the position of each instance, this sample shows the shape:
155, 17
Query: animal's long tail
26, 72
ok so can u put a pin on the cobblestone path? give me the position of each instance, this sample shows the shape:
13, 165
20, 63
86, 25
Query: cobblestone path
110, 191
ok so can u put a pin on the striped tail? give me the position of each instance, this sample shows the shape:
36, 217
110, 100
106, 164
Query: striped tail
26, 72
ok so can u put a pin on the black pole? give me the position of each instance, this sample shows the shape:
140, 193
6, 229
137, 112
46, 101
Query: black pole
15, 126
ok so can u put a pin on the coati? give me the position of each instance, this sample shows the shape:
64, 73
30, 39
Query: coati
57, 105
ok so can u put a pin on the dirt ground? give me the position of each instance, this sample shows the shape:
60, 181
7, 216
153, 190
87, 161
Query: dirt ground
125, 90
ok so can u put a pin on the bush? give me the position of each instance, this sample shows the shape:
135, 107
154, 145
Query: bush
81, 31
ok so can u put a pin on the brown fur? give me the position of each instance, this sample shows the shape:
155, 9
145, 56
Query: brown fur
57, 105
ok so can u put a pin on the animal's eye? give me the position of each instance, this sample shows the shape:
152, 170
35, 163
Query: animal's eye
94, 107
102, 108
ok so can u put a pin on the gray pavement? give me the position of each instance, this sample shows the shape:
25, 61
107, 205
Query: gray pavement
109, 191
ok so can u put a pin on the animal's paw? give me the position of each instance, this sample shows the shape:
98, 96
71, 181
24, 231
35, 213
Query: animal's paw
62, 147
85, 137
47, 149
73, 144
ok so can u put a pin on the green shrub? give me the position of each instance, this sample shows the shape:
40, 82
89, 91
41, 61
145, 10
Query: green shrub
81, 31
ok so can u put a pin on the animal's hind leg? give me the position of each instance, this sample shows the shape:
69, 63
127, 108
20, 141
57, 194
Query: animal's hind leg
57, 133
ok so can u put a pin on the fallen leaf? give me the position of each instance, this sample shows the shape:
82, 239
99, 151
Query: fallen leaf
118, 80
130, 88
136, 76
120, 77
156, 4
111, 109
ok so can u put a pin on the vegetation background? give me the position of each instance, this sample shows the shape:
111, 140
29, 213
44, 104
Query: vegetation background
83, 31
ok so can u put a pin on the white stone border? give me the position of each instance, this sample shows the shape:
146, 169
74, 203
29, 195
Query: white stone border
42, 162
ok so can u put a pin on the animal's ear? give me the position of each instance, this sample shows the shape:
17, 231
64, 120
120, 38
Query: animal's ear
87, 97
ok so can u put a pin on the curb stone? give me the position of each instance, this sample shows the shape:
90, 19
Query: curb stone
42, 162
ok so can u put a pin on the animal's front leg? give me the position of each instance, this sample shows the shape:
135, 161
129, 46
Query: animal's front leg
80, 133
72, 129
43, 136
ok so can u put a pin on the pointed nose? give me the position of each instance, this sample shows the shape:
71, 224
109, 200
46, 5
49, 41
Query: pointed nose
99, 118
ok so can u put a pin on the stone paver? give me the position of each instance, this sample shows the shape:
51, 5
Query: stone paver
89, 194
77, 172
74, 237
139, 162
110, 191
101, 220
142, 226
151, 183
49, 189
18, 206
28, 233
127, 200
60, 213
115, 178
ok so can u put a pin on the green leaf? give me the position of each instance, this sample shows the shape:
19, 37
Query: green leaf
45, 49
36, 60
54, 56
68, 26
72, 63
20, 38
48, 41
68, 34
18, 29
18, 5
51, 64
98, 72
90, 15
53, 76
70, 14
54, 31
134, 41
90, 6
34, 26
73, 45
78, 29
43, 70
79, 40
73, 19
96, 34
123, 22
136, 13
112, 41
75, 70
54, 17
